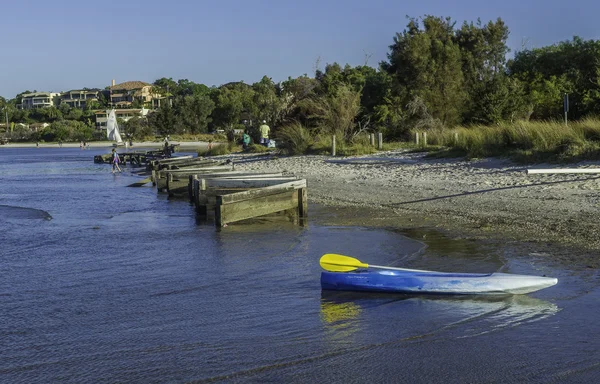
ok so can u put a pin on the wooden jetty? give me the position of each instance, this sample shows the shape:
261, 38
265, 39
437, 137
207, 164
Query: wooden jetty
136, 158
233, 196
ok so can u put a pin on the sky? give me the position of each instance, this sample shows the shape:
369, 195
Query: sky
59, 45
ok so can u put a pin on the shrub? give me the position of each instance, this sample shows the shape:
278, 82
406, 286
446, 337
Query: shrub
294, 138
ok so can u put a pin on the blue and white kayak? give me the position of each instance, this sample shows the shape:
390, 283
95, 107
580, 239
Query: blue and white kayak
416, 281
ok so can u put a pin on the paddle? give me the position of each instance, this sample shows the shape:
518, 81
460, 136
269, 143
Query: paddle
340, 263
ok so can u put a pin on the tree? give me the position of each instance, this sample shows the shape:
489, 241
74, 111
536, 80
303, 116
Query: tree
426, 63
567, 67
230, 101
268, 104
193, 112
335, 114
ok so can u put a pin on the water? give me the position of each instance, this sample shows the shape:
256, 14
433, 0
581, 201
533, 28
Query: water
103, 283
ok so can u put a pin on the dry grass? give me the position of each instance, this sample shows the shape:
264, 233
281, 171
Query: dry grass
523, 141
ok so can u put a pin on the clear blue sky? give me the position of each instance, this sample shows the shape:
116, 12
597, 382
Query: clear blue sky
63, 44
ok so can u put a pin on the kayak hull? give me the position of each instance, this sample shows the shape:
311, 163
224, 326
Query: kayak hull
395, 281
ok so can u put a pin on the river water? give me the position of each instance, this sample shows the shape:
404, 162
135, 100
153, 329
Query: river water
103, 283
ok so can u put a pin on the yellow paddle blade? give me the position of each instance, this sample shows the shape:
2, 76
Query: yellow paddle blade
340, 263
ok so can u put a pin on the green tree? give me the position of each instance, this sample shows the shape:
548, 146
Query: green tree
230, 101
193, 113
335, 114
425, 62
267, 103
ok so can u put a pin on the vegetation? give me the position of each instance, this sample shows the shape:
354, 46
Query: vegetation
452, 81
522, 141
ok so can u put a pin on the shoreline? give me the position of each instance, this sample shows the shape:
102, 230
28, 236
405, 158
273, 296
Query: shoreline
109, 144
484, 199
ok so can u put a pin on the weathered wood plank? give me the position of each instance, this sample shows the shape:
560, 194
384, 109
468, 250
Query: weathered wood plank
261, 192
259, 206
247, 182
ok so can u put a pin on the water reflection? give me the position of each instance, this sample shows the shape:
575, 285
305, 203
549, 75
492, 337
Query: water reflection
345, 313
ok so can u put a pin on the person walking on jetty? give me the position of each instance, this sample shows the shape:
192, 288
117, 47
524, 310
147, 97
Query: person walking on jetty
264, 133
115, 161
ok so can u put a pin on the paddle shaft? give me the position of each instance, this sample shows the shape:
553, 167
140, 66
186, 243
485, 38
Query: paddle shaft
396, 269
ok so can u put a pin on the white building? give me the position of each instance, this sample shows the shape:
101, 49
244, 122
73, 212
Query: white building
123, 114
38, 100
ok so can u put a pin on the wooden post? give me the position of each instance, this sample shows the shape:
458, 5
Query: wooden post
218, 218
333, 145
424, 139
153, 178
380, 140
372, 138
455, 138
302, 205
417, 138
202, 209
191, 187
169, 181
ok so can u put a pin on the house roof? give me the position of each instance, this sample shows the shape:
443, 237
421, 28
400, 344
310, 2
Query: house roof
130, 85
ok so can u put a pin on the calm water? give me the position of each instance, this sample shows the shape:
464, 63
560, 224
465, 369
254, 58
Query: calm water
103, 283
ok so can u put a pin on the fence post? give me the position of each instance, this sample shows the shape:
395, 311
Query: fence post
372, 138
333, 145
424, 139
380, 140
417, 138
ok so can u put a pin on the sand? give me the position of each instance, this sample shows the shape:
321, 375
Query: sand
478, 199
482, 199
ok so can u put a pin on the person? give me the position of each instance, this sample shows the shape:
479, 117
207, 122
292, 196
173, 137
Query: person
115, 161
264, 133
167, 149
245, 140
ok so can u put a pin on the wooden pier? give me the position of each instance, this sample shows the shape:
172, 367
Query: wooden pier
233, 196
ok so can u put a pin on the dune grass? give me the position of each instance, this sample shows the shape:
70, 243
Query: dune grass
548, 141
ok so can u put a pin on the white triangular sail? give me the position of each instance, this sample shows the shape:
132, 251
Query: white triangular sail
112, 128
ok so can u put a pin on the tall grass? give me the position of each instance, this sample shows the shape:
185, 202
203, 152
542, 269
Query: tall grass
524, 141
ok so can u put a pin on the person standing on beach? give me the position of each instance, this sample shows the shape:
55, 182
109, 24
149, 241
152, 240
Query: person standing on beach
264, 133
115, 161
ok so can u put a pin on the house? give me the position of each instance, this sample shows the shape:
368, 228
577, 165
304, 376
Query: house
121, 114
80, 97
38, 100
125, 94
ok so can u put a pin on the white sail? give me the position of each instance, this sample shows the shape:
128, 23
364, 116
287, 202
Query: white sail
112, 128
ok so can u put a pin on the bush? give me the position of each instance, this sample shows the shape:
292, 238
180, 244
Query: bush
294, 138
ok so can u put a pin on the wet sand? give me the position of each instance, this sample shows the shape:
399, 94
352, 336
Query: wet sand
482, 199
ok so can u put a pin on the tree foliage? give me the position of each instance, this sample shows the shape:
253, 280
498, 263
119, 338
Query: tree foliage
437, 74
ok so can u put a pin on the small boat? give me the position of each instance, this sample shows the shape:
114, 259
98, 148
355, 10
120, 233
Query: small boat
112, 129
420, 281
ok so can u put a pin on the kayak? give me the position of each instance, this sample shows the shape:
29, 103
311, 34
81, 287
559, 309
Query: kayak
417, 281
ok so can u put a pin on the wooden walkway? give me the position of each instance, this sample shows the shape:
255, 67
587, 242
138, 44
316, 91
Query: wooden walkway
214, 186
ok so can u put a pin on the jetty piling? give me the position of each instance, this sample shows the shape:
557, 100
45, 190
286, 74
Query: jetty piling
213, 186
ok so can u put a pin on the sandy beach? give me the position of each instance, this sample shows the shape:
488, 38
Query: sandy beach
479, 199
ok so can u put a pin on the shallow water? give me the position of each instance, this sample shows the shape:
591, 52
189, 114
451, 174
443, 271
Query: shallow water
103, 283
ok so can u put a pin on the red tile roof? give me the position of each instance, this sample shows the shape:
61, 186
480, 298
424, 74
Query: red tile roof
130, 85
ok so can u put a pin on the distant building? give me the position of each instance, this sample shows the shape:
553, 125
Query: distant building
38, 100
123, 114
125, 94
80, 97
